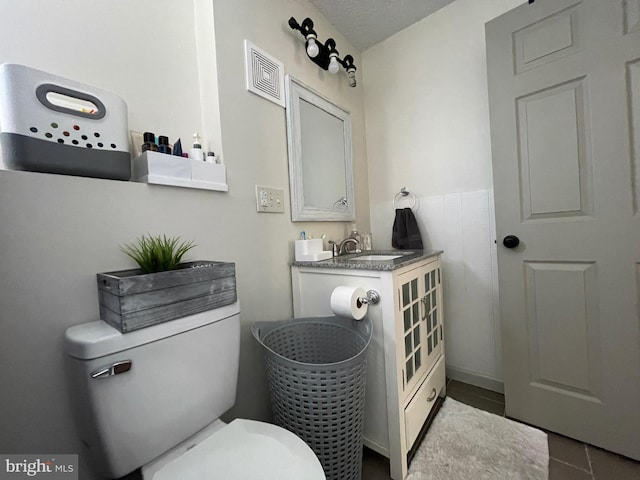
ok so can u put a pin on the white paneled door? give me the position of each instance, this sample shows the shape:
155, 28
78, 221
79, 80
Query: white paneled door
564, 88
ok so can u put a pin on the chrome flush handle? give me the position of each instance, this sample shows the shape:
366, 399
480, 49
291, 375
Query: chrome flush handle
113, 369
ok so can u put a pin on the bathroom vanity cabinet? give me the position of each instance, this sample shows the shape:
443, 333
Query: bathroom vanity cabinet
405, 363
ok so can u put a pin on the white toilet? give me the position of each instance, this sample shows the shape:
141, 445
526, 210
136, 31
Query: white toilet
152, 398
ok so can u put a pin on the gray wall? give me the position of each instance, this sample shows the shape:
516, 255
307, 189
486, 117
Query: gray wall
57, 232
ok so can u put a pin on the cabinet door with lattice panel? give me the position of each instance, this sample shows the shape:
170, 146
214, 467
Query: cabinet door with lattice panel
432, 314
418, 324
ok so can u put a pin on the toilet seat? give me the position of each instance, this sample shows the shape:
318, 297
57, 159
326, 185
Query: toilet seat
241, 450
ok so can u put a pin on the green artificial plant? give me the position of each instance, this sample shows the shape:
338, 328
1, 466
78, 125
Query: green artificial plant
157, 254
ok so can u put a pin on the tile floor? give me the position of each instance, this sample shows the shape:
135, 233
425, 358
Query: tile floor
569, 459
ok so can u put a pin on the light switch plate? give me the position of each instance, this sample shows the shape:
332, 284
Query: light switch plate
269, 199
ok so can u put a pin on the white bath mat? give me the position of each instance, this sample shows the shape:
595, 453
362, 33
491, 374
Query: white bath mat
465, 443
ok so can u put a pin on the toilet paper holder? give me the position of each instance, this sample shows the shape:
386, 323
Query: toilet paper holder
372, 298
352, 302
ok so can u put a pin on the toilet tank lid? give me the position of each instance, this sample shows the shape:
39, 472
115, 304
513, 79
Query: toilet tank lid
97, 339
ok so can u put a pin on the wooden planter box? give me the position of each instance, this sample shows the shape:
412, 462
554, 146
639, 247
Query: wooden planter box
130, 300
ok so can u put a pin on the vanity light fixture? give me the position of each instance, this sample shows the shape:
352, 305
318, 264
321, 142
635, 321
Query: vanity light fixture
325, 55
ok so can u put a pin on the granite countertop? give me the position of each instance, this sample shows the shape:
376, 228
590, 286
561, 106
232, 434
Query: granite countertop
347, 261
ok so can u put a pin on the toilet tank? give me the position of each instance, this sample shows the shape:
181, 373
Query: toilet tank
136, 395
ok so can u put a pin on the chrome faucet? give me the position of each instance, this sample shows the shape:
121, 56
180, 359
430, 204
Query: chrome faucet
341, 248
335, 248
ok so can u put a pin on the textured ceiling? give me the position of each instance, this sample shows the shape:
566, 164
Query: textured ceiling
367, 22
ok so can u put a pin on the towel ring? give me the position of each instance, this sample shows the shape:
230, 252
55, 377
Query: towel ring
401, 194
340, 203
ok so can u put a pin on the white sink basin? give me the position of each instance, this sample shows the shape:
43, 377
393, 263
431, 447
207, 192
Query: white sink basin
368, 258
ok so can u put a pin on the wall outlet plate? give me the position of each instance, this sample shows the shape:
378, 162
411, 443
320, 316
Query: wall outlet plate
269, 199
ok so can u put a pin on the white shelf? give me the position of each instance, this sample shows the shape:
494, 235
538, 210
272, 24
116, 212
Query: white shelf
182, 182
162, 169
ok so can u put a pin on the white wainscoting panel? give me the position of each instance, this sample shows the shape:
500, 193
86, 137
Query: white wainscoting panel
463, 226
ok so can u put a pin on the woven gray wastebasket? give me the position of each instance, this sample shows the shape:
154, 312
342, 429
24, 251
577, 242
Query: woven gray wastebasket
316, 370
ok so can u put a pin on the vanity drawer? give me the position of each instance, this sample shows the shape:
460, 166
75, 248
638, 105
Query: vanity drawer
417, 411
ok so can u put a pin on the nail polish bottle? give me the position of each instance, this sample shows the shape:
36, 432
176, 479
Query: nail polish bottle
149, 142
163, 145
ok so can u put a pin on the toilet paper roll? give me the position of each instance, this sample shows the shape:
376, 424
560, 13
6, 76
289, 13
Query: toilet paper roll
346, 302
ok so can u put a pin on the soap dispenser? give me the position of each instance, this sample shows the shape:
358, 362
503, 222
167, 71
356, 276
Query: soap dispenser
354, 234
196, 151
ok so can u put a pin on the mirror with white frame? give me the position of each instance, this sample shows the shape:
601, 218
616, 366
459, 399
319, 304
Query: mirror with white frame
320, 157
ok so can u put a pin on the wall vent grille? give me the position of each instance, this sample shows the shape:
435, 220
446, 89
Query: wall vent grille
265, 74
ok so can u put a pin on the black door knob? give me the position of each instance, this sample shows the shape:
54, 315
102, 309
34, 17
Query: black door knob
511, 241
